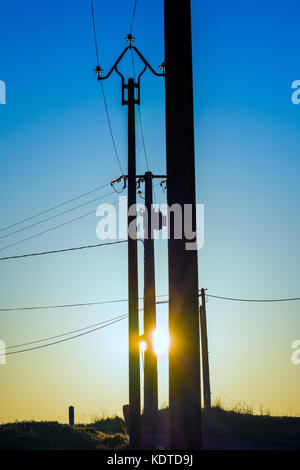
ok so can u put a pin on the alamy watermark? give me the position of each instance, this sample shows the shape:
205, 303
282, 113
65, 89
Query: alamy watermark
2, 92
295, 97
161, 223
295, 357
2, 353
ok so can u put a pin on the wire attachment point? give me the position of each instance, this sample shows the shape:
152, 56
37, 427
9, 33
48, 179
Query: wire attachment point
98, 71
129, 38
162, 68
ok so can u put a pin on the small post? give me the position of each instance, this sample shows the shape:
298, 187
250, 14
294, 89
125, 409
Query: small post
71, 416
204, 346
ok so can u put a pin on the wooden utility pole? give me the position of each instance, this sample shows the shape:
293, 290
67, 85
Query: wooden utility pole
133, 314
184, 359
150, 362
204, 349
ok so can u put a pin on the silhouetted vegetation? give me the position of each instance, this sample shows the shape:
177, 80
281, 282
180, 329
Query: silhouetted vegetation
31, 435
241, 424
238, 423
110, 425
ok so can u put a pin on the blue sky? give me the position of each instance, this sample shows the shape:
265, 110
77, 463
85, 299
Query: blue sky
55, 144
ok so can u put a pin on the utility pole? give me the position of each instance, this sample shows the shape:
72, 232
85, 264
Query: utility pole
204, 348
150, 361
133, 314
184, 357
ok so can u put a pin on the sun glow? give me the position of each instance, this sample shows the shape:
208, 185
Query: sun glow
161, 342
143, 346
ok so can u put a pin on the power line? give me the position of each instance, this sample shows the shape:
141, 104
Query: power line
133, 15
49, 230
66, 339
140, 118
94, 29
104, 302
57, 215
110, 129
82, 304
110, 321
103, 92
63, 334
105, 323
141, 128
42, 307
54, 207
292, 299
63, 250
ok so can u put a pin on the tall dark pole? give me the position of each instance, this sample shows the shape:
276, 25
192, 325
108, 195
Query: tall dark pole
150, 362
184, 358
134, 353
204, 348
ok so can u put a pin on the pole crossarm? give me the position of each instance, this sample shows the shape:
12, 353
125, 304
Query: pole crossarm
162, 66
139, 179
98, 70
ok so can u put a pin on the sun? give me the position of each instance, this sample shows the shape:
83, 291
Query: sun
161, 342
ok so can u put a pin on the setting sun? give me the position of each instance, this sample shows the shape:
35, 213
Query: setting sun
161, 342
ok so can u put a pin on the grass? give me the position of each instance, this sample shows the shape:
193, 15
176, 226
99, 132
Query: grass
241, 424
31, 435
107, 433
108, 424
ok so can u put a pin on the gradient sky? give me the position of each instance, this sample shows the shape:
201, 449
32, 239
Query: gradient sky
55, 144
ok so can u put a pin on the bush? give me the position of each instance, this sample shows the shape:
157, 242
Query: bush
109, 425
31, 435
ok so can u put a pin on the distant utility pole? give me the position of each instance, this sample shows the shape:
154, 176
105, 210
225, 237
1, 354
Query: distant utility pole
184, 358
132, 99
153, 222
204, 348
150, 361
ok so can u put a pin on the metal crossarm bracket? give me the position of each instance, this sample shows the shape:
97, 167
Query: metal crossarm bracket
99, 71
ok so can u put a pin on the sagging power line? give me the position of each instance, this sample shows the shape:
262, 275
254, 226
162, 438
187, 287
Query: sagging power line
133, 16
291, 299
50, 229
103, 92
65, 339
159, 302
57, 206
63, 334
140, 118
56, 215
81, 304
63, 250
